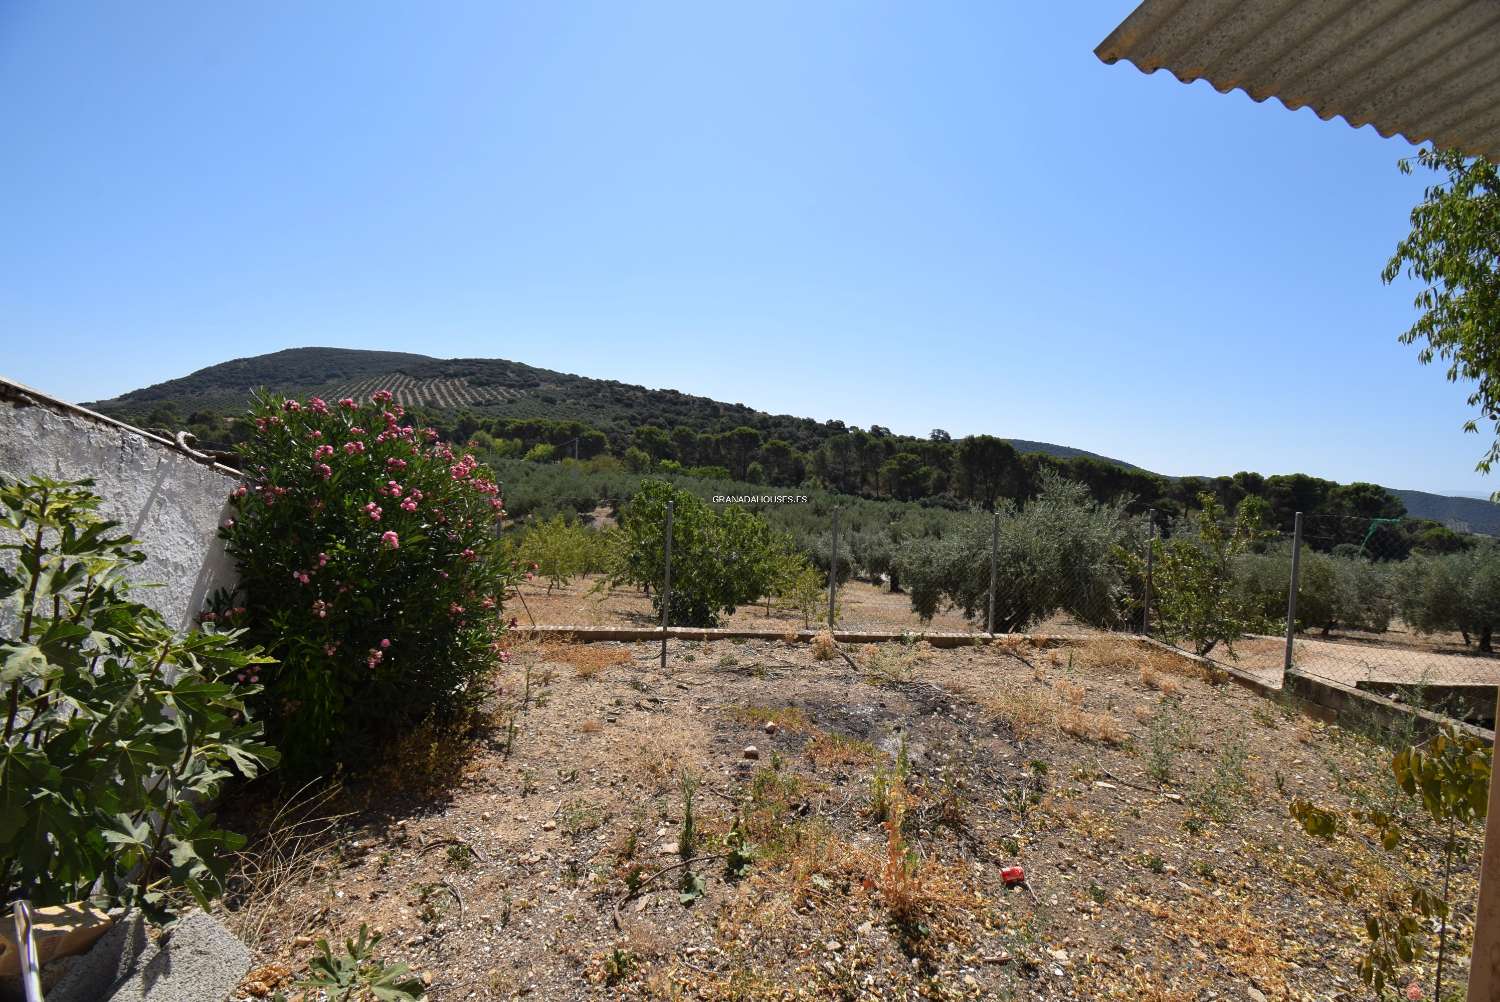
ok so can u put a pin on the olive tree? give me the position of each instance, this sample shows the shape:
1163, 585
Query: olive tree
1061, 552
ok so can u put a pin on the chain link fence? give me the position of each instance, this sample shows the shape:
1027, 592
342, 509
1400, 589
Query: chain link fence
1383, 604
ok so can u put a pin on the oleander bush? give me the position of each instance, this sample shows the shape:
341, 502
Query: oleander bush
117, 728
370, 566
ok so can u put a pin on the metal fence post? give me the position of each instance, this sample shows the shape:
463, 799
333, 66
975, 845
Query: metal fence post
666, 592
989, 622
833, 568
1150, 557
1291, 596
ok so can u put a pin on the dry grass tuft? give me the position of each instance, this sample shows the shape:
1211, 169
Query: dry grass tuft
587, 660
836, 749
301, 840
823, 647
1068, 692
1034, 712
1161, 683
791, 637
1085, 726
890, 664
788, 718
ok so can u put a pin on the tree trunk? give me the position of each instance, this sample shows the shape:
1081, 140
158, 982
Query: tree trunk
1484, 640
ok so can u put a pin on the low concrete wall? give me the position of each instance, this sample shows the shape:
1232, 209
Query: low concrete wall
167, 497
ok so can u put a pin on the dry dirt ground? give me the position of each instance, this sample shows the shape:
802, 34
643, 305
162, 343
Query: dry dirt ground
1147, 804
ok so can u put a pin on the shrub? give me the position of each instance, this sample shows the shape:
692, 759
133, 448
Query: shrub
116, 728
368, 565
720, 560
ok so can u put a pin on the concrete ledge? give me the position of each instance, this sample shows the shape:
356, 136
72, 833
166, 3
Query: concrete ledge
1350, 705
591, 634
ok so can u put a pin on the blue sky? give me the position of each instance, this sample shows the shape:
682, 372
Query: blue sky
919, 215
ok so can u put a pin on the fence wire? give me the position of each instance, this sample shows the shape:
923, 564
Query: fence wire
1382, 604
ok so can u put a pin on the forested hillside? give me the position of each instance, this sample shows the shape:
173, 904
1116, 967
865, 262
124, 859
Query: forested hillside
514, 411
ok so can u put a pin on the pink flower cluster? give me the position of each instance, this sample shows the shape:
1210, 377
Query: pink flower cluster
373, 510
391, 540
464, 467
322, 451
353, 448
320, 609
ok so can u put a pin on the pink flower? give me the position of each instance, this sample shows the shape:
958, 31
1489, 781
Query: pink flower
408, 505
329, 649
318, 406
373, 510
353, 447
323, 470
290, 405
469, 554
228, 523
240, 491
489, 602
454, 609
385, 643
356, 431
348, 403
301, 577
1414, 992
320, 609
395, 464
391, 540
322, 451
381, 396
375, 657
315, 433
322, 560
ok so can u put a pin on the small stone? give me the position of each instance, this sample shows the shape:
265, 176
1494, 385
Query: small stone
548, 826
1102, 785
751, 752
1255, 995
771, 727
971, 981
833, 946
667, 849
302, 940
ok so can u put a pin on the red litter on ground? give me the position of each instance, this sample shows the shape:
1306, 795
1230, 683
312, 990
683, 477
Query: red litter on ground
1013, 875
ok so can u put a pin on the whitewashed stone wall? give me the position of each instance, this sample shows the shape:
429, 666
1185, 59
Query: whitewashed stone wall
169, 501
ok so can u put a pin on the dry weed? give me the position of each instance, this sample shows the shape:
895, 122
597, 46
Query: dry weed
890, 664
590, 727
1161, 683
823, 647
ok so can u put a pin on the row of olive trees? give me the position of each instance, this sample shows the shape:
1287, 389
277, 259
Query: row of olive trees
1453, 592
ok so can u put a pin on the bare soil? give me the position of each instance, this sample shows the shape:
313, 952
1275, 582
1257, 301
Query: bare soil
1147, 803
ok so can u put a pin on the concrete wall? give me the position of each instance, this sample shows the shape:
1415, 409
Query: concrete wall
167, 498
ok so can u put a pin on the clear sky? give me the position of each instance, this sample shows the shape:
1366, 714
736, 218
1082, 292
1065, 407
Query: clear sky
921, 215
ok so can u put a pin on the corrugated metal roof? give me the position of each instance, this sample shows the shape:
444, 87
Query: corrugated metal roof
1428, 70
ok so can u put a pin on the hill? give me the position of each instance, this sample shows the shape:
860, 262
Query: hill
1459, 513
523, 407
491, 387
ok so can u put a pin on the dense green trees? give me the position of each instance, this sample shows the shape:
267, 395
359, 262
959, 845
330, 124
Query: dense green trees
720, 559
1063, 551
